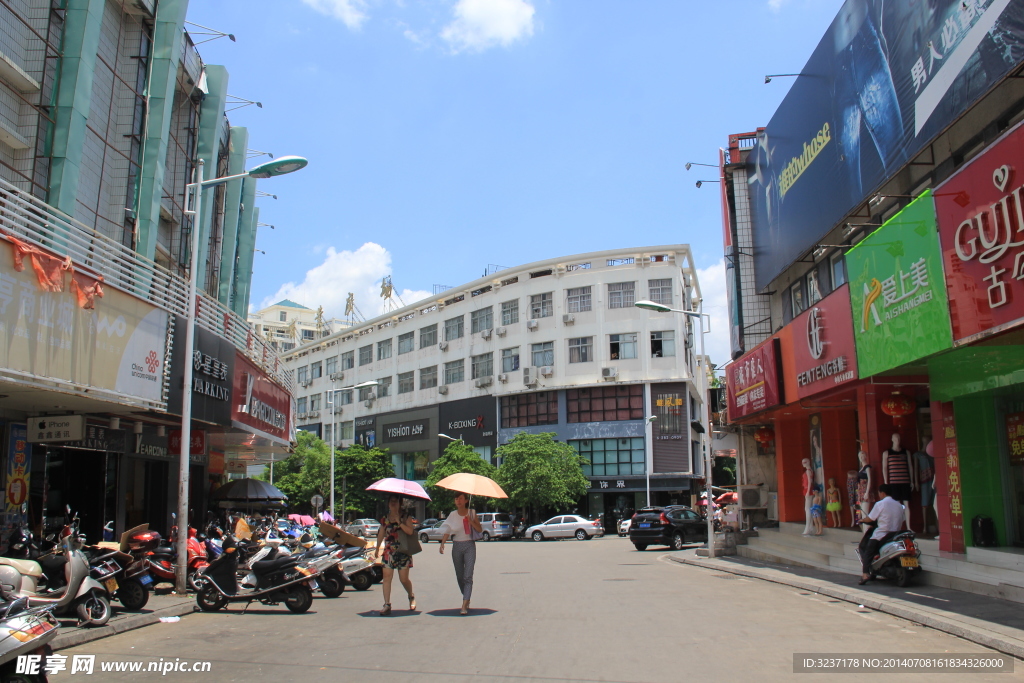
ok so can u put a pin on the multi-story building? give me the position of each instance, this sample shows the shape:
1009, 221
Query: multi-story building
106, 109
287, 324
553, 346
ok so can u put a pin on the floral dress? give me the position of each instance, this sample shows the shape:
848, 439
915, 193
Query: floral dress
392, 558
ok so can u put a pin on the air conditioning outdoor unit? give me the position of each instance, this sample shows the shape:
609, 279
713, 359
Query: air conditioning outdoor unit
313, 413
529, 377
501, 331
443, 346
305, 384
503, 377
773, 506
336, 376
486, 334
337, 410
368, 403
547, 370
609, 373
442, 389
302, 416
484, 382
531, 324
568, 318
753, 497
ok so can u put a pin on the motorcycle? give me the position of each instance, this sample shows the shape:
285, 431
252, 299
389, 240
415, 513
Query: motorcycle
519, 530
898, 557
128, 569
29, 631
273, 580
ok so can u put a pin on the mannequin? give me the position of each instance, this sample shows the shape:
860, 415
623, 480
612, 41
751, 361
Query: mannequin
808, 489
851, 492
833, 503
865, 481
898, 473
924, 471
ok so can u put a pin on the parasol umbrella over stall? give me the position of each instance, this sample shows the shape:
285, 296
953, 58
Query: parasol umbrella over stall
473, 484
249, 493
402, 487
302, 520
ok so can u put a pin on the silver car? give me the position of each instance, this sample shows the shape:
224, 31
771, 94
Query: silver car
432, 533
495, 525
566, 526
367, 528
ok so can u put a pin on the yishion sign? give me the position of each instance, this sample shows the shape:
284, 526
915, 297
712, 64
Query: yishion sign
981, 230
753, 381
824, 354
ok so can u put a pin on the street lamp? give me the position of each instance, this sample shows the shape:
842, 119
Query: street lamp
450, 438
270, 169
334, 431
662, 308
649, 452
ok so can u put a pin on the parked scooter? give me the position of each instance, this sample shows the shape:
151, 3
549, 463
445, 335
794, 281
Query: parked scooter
898, 558
128, 570
28, 632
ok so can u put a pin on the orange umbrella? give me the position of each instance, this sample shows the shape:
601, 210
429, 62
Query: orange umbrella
473, 484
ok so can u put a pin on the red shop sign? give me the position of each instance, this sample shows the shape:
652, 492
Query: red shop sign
1015, 437
981, 230
258, 402
824, 354
753, 381
197, 437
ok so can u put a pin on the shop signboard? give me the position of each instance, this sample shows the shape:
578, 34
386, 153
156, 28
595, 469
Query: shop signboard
213, 371
753, 381
414, 430
952, 496
897, 292
98, 438
237, 466
824, 353
473, 420
1015, 437
117, 346
365, 431
259, 404
886, 78
981, 229
19, 469
671, 432
53, 429
197, 439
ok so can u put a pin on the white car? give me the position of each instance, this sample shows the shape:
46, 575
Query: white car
566, 526
624, 526
367, 528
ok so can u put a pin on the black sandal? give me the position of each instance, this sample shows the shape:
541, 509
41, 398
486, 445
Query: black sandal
386, 609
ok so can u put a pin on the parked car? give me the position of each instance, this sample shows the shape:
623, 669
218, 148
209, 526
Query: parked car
674, 526
367, 528
624, 526
566, 526
433, 532
426, 524
495, 525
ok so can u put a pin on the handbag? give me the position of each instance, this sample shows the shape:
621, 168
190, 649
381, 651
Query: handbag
474, 535
408, 543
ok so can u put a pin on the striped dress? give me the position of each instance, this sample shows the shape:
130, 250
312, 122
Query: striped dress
899, 467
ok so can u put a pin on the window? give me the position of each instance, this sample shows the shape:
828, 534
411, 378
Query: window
383, 387
406, 382
428, 377
525, 410
621, 294
481, 320
813, 287
541, 305
384, 349
510, 359
302, 374
347, 430
543, 353
283, 316
577, 300
611, 457
510, 312
406, 342
605, 404
308, 335
455, 371
428, 336
660, 291
797, 294
366, 393
347, 360
314, 402
327, 433
332, 365
663, 344
316, 370
838, 270
366, 354
581, 350
483, 365
622, 346
453, 328
300, 405
344, 397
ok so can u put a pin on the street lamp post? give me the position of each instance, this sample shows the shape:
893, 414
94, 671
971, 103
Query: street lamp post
661, 308
270, 169
334, 433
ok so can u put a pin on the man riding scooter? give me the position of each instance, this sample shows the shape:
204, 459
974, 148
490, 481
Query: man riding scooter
888, 515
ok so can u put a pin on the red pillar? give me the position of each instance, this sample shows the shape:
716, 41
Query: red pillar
947, 471
839, 446
792, 445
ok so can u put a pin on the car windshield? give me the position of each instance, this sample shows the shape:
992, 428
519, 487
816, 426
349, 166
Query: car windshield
502, 517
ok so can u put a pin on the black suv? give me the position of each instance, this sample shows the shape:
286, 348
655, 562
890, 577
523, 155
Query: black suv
674, 526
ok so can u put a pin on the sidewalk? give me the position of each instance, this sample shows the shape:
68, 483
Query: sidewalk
165, 605
994, 623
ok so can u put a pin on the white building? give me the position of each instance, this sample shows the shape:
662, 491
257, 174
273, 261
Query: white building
552, 346
287, 324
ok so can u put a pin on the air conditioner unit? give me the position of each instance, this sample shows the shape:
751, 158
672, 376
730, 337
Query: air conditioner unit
368, 403
305, 384
486, 334
531, 324
302, 416
753, 497
443, 389
501, 331
484, 382
336, 376
443, 346
568, 318
337, 410
609, 373
313, 413
547, 370
529, 376
503, 377
773, 506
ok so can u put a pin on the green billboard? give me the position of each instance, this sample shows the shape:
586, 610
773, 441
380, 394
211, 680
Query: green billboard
897, 291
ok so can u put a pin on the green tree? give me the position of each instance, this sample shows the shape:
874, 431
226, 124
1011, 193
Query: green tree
355, 468
457, 457
304, 473
537, 471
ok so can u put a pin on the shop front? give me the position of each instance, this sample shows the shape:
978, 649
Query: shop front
474, 420
410, 436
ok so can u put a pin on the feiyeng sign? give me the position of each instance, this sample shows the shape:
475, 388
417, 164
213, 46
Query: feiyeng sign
981, 229
116, 348
897, 292
19, 468
886, 78
753, 381
258, 402
824, 353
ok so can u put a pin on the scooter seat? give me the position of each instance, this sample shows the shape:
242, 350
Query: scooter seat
26, 567
353, 552
267, 566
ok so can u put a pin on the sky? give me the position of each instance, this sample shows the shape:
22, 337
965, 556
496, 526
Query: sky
444, 136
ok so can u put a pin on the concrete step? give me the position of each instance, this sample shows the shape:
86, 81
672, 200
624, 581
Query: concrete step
767, 545
819, 544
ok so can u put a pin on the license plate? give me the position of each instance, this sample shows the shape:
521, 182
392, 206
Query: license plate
111, 584
909, 562
145, 579
645, 525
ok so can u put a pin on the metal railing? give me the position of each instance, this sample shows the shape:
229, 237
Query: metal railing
40, 224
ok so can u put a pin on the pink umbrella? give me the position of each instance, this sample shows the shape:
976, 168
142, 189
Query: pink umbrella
402, 487
306, 520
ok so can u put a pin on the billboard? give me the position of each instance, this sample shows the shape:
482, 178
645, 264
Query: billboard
753, 381
258, 402
824, 354
897, 292
213, 372
886, 78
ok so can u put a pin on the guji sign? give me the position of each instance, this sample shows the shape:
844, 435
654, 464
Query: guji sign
981, 229
753, 381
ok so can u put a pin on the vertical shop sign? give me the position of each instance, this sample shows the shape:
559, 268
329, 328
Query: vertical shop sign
954, 492
1015, 436
753, 381
19, 468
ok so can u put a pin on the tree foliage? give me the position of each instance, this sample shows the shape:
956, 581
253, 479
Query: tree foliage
536, 470
457, 457
358, 467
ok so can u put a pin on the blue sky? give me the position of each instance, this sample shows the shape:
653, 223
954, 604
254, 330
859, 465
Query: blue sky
446, 135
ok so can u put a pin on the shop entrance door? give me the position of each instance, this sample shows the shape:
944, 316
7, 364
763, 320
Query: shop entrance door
1013, 429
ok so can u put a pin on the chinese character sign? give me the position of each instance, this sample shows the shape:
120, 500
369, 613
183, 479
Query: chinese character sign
949, 487
1015, 437
19, 468
753, 381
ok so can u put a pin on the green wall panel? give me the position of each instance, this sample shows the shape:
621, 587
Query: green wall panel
980, 469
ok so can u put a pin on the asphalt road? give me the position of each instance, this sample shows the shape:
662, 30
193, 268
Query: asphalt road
553, 611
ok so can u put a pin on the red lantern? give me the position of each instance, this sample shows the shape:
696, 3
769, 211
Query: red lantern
898, 406
764, 435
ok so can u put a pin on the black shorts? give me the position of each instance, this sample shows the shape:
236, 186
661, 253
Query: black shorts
900, 492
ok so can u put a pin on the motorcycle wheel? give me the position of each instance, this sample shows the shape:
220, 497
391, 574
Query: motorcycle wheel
209, 599
93, 609
132, 594
330, 586
299, 599
362, 581
903, 576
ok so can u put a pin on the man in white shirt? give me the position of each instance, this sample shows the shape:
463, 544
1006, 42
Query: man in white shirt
888, 514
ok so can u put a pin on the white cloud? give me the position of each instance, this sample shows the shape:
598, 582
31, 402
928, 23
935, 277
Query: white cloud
482, 24
341, 272
352, 13
716, 304
776, 5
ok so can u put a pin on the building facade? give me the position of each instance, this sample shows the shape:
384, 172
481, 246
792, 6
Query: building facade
287, 324
553, 346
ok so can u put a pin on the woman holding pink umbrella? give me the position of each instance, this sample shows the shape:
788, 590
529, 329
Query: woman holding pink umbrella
394, 559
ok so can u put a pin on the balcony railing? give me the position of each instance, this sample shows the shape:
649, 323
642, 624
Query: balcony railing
38, 223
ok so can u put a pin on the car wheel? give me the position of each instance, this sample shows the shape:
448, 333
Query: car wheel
581, 535
486, 537
424, 538
640, 546
537, 536
678, 541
